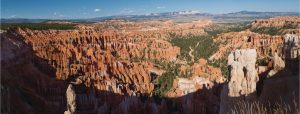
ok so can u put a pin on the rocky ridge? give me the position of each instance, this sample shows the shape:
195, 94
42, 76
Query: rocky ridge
276, 22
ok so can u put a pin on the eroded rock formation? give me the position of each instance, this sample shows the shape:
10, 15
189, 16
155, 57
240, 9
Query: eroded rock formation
71, 100
100, 59
101, 63
243, 78
184, 86
264, 44
277, 86
202, 69
111, 66
276, 22
282, 83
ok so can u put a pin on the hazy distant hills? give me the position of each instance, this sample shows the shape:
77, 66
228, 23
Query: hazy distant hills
180, 16
22, 20
250, 16
193, 15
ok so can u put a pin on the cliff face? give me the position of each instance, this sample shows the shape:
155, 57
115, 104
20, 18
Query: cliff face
25, 83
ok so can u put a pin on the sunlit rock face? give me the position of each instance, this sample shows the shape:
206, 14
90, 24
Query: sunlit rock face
204, 70
276, 22
263, 43
243, 79
71, 100
100, 59
184, 86
109, 58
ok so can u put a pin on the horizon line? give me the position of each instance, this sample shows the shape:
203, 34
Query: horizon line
149, 14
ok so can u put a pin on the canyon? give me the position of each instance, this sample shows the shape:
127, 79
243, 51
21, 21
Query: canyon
133, 67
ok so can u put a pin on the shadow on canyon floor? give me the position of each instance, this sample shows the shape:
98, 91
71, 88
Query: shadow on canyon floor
288, 76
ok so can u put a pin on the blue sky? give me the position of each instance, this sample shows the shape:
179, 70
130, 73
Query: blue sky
60, 9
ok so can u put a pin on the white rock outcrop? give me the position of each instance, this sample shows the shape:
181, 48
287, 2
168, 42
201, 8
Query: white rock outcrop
189, 85
243, 75
71, 100
243, 79
291, 48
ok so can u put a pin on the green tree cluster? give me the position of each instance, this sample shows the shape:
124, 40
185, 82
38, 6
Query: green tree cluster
165, 82
203, 46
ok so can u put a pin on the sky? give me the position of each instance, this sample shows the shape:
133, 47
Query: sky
75, 9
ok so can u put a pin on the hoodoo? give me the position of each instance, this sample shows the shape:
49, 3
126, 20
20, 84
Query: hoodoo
243, 79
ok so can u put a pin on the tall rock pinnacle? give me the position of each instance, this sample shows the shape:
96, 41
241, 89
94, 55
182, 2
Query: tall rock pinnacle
71, 100
243, 79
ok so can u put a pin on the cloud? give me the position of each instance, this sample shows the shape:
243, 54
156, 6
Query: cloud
97, 10
126, 11
160, 7
13, 16
58, 15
